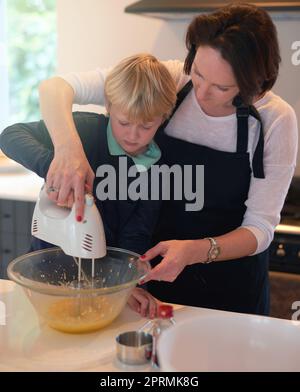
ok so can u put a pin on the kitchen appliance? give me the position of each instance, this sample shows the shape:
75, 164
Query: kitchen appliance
285, 257
58, 226
285, 248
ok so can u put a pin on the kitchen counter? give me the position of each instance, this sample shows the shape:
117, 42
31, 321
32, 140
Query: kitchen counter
28, 346
20, 185
255, 342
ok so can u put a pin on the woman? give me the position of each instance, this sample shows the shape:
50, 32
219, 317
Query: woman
226, 119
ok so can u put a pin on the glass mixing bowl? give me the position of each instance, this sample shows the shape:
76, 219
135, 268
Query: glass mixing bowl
50, 279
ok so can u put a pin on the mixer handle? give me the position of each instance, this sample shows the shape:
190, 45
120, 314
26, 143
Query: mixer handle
50, 208
89, 198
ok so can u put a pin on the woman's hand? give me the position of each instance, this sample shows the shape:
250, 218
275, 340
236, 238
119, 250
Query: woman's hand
143, 303
70, 177
176, 256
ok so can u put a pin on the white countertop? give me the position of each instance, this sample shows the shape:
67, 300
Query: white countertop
255, 342
20, 185
28, 346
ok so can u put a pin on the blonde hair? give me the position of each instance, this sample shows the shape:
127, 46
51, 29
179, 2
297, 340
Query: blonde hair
141, 87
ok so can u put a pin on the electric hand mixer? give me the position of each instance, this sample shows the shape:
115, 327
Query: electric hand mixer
62, 300
58, 226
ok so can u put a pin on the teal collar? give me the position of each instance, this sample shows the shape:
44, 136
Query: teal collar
148, 158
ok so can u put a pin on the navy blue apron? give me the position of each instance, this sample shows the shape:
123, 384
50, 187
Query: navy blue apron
239, 285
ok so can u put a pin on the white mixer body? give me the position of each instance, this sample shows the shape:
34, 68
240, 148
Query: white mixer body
58, 226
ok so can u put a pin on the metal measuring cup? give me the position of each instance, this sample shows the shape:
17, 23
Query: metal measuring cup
134, 347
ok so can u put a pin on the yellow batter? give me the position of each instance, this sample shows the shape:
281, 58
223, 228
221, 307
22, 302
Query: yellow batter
86, 314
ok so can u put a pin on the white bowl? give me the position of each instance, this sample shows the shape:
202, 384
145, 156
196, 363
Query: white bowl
231, 342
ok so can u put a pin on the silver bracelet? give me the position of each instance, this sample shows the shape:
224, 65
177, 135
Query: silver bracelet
214, 250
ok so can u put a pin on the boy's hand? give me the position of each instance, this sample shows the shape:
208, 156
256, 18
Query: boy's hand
143, 303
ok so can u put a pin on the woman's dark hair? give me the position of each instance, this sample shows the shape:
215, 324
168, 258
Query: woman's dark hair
246, 38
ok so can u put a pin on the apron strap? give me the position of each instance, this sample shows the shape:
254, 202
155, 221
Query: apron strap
180, 97
182, 94
258, 157
243, 112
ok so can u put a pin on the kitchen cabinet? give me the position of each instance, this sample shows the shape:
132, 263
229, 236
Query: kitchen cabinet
15, 230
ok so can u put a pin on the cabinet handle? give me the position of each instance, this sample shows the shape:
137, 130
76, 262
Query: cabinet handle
7, 251
6, 215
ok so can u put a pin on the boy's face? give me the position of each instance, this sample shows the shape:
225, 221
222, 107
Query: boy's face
133, 138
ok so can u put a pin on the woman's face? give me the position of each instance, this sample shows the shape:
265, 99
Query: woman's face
132, 137
214, 82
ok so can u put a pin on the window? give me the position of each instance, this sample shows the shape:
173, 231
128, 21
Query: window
27, 56
4, 112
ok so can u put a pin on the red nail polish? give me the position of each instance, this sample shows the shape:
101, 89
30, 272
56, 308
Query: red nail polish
143, 256
79, 218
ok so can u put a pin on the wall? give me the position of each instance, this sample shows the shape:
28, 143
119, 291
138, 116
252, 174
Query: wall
97, 33
288, 83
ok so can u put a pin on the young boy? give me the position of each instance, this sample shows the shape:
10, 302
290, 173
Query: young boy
140, 95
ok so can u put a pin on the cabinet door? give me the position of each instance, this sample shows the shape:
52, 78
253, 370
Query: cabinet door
7, 216
22, 243
22, 217
7, 252
15, 231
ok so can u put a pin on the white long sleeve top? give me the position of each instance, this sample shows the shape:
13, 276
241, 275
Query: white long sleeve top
266, 196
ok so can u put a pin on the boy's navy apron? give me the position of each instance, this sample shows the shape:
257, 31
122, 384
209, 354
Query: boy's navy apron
239, 285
